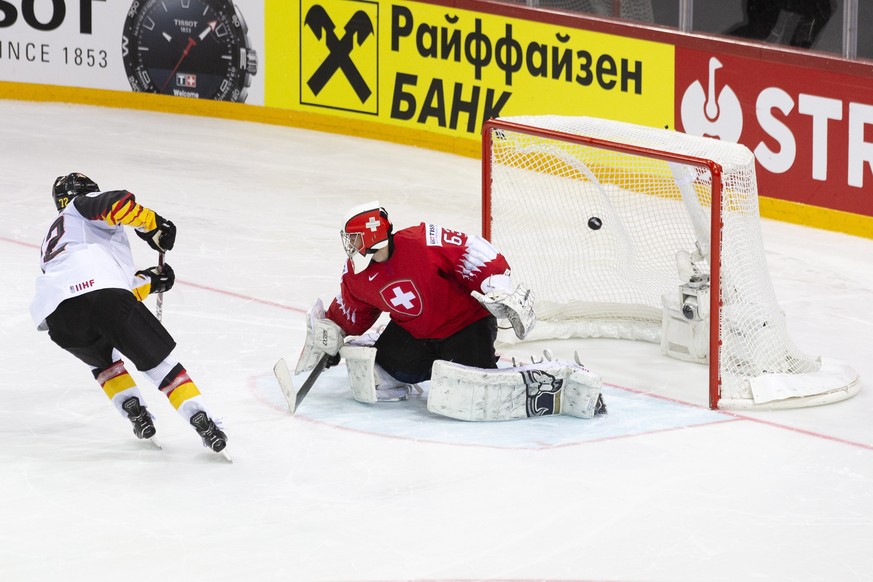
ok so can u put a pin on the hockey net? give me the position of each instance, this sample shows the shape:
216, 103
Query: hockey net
612, 226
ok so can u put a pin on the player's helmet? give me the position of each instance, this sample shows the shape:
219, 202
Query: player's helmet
366, 230
68, 187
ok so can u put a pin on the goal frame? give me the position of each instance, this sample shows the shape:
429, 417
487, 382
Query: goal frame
716, 225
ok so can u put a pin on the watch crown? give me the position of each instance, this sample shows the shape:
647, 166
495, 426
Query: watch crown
251, 64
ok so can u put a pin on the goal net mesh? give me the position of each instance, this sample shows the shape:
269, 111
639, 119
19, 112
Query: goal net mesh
606, 236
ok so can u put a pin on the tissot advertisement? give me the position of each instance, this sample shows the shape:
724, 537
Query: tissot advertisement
207, 49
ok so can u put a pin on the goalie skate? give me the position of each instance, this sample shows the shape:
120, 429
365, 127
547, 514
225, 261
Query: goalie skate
540, 389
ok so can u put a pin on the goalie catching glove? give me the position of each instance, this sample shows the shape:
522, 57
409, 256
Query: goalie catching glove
503, 302
323, 336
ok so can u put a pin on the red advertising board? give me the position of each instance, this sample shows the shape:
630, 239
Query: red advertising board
811, 129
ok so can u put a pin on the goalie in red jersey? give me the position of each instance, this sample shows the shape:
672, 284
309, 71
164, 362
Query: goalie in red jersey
444, 291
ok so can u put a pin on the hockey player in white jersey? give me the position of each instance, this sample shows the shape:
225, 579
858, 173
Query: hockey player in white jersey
89, 297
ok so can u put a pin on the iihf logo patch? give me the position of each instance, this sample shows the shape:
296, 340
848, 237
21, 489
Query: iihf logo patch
81, 286
543, 393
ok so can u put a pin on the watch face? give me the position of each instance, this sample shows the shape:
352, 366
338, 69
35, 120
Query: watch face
187, 48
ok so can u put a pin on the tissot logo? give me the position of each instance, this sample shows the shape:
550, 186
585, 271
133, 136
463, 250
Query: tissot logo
186, 80
338, 55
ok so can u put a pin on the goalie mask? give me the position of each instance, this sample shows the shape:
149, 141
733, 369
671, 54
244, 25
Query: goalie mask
70, 186
366, 230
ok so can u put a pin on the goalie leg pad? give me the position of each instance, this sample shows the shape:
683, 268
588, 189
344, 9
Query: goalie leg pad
368, 381
544, 389
361, 362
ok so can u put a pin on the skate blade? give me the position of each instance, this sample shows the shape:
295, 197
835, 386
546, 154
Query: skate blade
226, 455
156, 442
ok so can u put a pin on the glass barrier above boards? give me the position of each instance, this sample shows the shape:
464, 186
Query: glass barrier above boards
837, 27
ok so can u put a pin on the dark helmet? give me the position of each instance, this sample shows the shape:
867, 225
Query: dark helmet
68, 187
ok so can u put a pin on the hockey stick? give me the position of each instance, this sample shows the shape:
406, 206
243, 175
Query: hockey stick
286, 383
159, 306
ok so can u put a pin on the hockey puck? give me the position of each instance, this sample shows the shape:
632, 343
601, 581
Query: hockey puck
594, 223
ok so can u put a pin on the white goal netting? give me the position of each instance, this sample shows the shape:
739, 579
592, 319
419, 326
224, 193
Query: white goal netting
611, 225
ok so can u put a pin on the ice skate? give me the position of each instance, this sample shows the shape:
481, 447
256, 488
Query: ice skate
143, 426
213, 437
393, 394
600, 406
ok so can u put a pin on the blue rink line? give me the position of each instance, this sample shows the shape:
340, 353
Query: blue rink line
330, 403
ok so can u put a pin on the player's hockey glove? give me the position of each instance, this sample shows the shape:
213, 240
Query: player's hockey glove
503, 302
161, 278
163, 237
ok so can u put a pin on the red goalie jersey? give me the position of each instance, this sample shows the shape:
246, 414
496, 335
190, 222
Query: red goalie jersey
425, 285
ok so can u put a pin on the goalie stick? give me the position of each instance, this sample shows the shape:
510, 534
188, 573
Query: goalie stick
286, 383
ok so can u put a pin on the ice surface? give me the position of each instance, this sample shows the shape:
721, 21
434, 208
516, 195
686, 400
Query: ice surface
662, 489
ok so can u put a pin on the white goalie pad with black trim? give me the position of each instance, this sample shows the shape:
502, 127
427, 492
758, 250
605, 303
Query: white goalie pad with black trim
368, 381
543, 389
361, 364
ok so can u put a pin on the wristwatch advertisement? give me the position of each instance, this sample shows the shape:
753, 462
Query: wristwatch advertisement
188, 48
204, 49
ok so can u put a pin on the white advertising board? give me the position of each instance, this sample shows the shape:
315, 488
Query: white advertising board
209, 49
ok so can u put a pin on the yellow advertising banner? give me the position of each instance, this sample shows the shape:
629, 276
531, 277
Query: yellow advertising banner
445, 70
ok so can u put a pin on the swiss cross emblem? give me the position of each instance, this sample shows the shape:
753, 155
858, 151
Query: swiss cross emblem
402, 297
373, 224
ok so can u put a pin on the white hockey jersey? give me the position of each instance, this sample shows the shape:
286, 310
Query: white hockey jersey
86, 249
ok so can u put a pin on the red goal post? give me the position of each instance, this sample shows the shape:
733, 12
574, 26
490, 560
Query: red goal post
611, 226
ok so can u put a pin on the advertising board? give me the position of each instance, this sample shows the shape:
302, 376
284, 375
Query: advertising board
433, 72
445, 70
207, 49
811, 130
